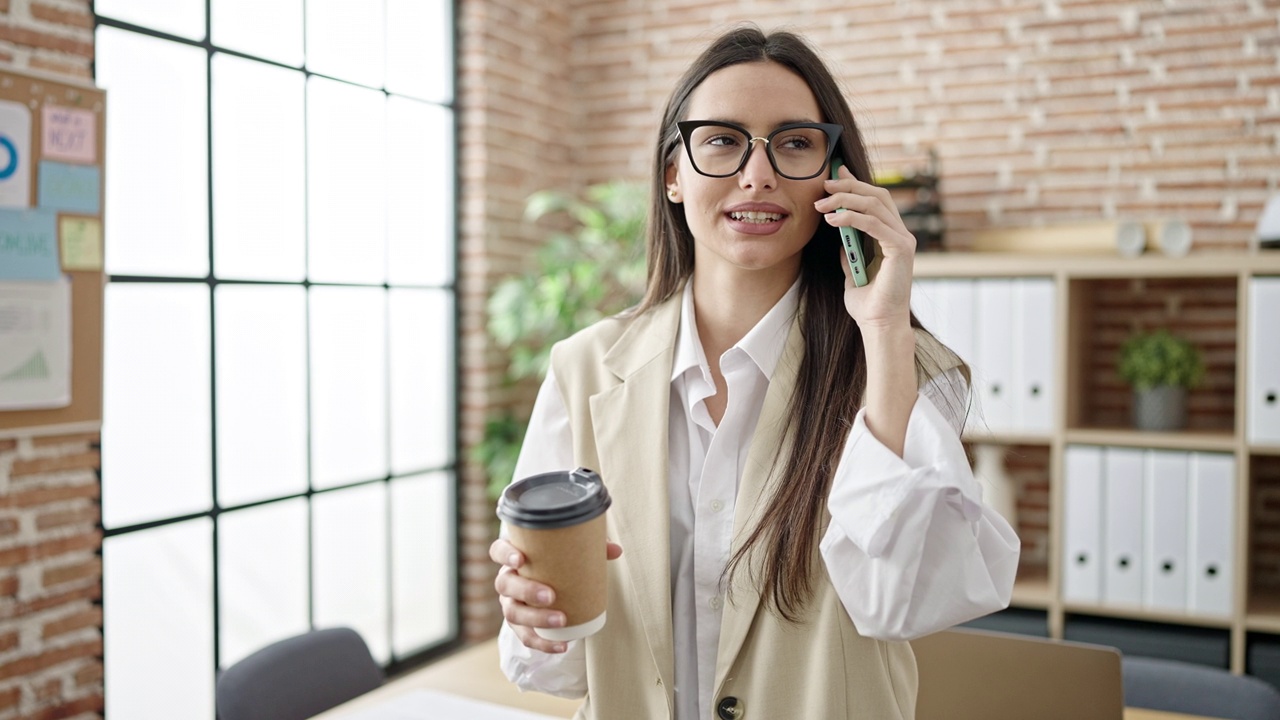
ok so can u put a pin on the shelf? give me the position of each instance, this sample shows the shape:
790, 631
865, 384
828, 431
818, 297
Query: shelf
982, 438
1264, 449
1032, 592
975, 264
1132, 612
1124, 437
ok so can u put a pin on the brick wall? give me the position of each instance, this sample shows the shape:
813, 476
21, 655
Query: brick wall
1041, 111
50, 539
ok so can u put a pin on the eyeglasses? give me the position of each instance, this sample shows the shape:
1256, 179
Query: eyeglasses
798, 151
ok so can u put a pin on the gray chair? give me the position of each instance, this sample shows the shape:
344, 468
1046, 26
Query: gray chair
1182, 687
298, 677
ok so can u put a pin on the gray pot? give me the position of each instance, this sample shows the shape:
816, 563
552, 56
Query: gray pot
1160, 408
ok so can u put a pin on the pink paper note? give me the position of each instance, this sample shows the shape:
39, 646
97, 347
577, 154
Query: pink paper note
69, 134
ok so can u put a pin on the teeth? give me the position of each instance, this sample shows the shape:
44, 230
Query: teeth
756, 217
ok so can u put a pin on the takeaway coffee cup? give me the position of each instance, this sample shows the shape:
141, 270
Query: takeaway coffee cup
557, 520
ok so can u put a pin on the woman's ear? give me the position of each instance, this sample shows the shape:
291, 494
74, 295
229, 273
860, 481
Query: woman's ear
673, 184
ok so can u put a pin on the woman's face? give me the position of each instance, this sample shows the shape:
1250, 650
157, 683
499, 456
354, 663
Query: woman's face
759, 96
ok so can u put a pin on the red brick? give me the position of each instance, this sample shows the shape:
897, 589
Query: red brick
8, 586
8, 641
72, 572
58, 16
10, 697
46, 495
90, 674
48, 690
31, 664
8, 611
81, 439
62, 518
51, 548
68, 709
8, 444
90, 618
78, 461
9, 526
36, 39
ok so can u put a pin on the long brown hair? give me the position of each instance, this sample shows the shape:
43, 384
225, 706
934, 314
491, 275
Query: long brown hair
828, 392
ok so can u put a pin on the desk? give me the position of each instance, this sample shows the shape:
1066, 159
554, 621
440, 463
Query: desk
473, 672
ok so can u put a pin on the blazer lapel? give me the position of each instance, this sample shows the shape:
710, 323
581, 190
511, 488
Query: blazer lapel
630, 422
770, 435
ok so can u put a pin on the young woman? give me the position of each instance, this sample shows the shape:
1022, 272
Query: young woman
782, 447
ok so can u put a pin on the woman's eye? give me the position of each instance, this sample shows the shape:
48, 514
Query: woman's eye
722, 140
795, 142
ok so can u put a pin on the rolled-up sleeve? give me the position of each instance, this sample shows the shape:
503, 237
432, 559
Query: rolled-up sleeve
911, 548
548, 446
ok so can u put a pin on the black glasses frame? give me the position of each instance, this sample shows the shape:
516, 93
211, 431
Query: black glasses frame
832, 130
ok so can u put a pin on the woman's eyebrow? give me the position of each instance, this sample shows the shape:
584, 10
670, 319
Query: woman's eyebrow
777, 125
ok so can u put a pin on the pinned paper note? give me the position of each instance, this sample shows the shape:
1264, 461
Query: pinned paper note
69, 134
15, 154
81, 243
28, 245
35, 344
70, 188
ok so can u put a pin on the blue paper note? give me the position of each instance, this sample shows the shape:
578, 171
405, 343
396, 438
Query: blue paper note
70, 188
28, 245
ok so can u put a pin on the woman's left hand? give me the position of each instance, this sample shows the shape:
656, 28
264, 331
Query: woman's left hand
886, 300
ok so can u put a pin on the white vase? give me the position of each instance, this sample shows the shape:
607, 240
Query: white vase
999, 490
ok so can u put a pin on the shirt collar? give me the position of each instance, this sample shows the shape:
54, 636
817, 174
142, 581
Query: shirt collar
764, 343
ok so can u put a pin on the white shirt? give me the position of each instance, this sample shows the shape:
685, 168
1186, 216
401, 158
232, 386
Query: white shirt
910, 547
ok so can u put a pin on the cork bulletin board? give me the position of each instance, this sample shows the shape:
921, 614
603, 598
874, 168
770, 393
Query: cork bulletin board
52, 150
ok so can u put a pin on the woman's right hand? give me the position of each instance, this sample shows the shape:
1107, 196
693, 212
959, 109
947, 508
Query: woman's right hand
526, 603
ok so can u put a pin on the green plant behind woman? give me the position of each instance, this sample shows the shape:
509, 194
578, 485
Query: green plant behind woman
590, 271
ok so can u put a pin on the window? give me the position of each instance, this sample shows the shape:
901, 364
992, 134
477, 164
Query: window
279, 431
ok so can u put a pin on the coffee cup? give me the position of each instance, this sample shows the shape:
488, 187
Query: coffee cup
557, 519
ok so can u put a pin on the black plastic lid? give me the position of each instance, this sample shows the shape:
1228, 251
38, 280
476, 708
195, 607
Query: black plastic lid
554, 500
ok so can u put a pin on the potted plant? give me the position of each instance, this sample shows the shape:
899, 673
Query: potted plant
594, 269
1160, 367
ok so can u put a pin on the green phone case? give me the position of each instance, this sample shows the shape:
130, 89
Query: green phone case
854, 249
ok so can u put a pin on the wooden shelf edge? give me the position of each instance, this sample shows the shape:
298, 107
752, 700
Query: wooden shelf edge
1098, 266
1264, 449
1007, 439
1222, 622
1123, 437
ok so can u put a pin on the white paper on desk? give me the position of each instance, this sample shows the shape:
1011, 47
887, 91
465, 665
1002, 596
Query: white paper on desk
35, 344
432, 705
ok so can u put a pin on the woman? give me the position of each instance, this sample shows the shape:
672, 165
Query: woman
782, 447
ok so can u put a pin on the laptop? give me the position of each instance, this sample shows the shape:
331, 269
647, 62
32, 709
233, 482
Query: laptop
985, 675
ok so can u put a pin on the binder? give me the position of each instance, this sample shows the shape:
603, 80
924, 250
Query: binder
960, 319
994, 353
1211, 540
1166, 530
1264, 361
1082, 536
1033, 362
1122, 528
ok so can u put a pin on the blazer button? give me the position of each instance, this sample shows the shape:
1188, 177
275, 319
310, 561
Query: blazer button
730, 708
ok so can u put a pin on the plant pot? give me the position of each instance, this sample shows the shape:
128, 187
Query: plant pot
1160, 408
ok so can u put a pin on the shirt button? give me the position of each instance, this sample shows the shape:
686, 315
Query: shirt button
730, 708
715, 603
716, 506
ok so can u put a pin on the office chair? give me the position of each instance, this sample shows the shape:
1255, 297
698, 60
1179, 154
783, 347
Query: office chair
298, 677
1182, 687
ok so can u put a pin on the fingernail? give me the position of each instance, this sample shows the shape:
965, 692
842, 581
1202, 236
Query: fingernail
558, 647
556, 620
513, 559
544, 596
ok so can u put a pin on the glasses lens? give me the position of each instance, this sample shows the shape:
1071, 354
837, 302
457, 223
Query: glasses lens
799, 152
717, 149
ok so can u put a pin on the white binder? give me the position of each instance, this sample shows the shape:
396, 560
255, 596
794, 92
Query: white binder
1082, 536
1166, 530
1034, 325
1212, 533
1264, 361
1122, 529
960, 316
994, 353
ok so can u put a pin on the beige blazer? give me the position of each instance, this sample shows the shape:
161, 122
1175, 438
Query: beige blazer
616, 378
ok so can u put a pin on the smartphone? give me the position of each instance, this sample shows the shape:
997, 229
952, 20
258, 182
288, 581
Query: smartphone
856, 251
